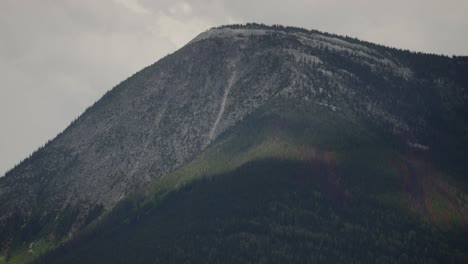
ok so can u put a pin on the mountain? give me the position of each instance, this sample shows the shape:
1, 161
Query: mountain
255, 143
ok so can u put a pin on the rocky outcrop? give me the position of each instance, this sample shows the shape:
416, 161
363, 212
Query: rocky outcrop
165, 115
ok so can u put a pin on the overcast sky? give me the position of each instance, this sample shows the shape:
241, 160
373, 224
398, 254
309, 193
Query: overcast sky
57, 57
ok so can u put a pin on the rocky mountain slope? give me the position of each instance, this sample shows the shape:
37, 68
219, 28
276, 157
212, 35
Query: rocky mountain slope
173, 112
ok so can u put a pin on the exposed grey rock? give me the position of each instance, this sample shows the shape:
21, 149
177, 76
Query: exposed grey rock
163, 116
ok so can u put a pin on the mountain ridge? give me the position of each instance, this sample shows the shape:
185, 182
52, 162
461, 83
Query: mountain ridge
166, 115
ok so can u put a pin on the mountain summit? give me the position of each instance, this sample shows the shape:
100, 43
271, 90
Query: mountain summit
380, 134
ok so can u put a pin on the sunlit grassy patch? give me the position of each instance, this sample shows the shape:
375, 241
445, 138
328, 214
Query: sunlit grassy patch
218, 160
27, 253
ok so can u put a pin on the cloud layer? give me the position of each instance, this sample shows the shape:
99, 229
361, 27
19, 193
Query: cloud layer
58, 57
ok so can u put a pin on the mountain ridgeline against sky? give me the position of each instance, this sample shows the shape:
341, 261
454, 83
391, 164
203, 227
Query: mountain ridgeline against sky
255, 144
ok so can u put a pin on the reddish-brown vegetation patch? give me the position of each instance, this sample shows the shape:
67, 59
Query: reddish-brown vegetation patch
429, 194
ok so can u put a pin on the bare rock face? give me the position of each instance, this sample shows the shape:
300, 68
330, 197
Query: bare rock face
165, 115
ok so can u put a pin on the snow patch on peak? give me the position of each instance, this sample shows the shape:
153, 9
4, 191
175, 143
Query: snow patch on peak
230, 33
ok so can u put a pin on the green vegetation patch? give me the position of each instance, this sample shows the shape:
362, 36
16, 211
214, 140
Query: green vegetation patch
27, 253
266, 211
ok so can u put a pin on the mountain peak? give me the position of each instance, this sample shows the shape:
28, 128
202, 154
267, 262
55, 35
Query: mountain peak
231, 31
173, 111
